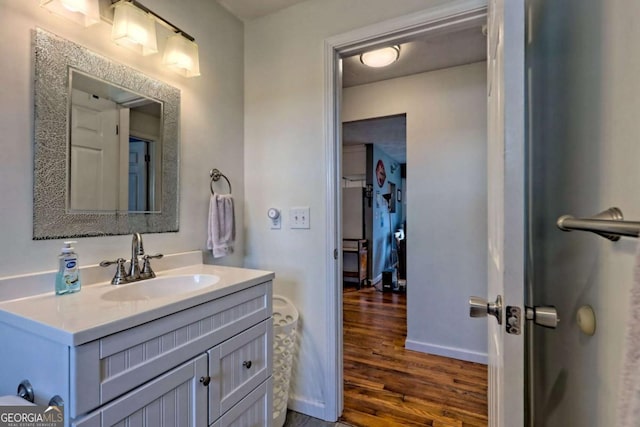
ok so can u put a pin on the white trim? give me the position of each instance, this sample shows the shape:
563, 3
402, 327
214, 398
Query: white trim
333, 404
441, 17
453, 352
308, 407
455, 13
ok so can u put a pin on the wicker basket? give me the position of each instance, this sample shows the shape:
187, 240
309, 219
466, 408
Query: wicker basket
285, 321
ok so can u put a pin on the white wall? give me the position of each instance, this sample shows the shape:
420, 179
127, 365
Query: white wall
585, 99
354, 165
284, 160
446, 200
354, 161
211, 127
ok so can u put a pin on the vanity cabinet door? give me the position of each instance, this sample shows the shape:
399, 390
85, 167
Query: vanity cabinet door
255, 410
237, 366
175, 399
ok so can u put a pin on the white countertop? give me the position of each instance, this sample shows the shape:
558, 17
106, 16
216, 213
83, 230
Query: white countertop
84, 316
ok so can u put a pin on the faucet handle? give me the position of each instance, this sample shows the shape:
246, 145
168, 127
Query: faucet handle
147, 272
121, 273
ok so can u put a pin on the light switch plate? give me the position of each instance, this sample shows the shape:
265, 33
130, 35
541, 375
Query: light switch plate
299, 218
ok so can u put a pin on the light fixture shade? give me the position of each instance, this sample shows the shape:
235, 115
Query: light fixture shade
381, 57
82, 12
134, 29
181, 55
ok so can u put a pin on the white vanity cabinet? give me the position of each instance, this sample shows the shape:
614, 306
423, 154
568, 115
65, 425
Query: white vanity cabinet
227, 346
208, 364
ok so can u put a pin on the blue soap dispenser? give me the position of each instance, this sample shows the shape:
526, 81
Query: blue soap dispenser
68, 277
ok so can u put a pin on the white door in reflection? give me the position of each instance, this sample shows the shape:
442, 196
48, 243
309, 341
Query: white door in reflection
94, 153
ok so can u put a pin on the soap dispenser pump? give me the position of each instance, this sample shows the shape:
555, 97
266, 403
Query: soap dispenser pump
68, 277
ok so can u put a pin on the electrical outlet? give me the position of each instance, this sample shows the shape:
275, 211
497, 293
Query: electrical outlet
299, 218
276, 223
275, 217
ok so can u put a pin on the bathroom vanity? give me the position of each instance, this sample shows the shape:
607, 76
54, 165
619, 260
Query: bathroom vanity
121, 355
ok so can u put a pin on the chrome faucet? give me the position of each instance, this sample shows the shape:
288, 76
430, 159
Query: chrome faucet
135, 273
137, 250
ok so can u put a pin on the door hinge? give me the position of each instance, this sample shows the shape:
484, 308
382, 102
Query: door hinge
335, 254
147, 158
514, 320
117, 130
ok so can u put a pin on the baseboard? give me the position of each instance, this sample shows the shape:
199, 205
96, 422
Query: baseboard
312, 408
440, 350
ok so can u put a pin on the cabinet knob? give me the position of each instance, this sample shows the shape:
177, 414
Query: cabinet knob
247, 364
25, 390
205, 381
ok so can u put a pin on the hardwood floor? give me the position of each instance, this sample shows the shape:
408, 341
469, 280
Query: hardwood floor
386, 385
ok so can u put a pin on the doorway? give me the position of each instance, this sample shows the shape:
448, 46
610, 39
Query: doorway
373, 209
474, 18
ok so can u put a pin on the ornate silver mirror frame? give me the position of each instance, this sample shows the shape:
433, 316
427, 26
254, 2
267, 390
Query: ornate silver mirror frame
54, 56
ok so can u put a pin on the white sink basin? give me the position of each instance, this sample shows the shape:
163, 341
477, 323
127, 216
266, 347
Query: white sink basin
161, 287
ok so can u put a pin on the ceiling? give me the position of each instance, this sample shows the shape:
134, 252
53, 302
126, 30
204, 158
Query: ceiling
247, 10
422, 54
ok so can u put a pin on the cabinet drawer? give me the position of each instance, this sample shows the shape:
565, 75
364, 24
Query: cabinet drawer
255, 410
237, 366
176, 399
107, 368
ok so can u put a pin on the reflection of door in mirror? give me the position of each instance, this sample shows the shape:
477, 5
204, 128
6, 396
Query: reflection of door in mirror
115, 148
141, 174
94, 153
143, 158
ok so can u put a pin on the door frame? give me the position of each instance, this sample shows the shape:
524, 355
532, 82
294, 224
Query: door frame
436, 19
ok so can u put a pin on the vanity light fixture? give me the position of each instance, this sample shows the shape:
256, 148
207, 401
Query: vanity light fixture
134, 28
381, 57
181, 55
82, 12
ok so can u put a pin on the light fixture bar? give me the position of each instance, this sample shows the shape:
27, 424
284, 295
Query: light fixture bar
158, 18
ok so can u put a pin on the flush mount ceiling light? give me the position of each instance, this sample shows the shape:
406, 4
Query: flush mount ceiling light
181, 55
134, 28
83, 12
381, 57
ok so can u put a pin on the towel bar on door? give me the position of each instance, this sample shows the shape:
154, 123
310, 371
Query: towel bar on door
609, 224
215, 175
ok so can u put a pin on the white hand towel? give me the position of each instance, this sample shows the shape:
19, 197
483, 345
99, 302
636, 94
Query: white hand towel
629, 391
222, 227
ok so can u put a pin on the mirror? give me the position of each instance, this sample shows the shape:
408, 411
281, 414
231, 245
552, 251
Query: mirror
105, 145
115, 147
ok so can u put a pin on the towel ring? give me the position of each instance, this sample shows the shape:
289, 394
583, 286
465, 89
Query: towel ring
215, 175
